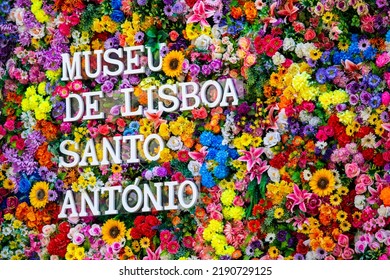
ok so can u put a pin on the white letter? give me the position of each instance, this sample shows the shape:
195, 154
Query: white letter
185, 95
171, 195
88, 63
203, 93
229, 91
114, 61
89, 151
180, 194
68, 204
64, 151
125, 201
128, 113
134, 60
111, 199
85, 199
148, 195
172, 98
115, 155
133, 146
150, 59
150, 92
146, 146
73, 70
68, 112
89, 105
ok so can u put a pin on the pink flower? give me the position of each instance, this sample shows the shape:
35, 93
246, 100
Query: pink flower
173, 247
258, 171
347, 254
188, 242
9, 125
153, 255
352, 170
386, 98
360, 188
3, 132
382, 59
343, 240
252, 157
200, 14
165, 236
299, 197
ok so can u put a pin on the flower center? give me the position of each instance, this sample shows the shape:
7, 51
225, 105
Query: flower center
114, 232
40, 194
323, 183
173, 64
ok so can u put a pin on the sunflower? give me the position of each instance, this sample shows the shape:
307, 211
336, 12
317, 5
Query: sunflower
315, 54
113, 231
8, 184
116, 168
342, 191
345, 226
341, 216
39, 194
144, 242
335, 200
279, 212
322, 183
172, 63
135, 246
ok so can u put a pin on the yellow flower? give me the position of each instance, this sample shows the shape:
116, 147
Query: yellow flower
335, 200
315, 54
341, 216
345, 226
322, 182
144, 242
173, 63
343, 46
17, 224
273, 252
71, 248
39, 194
227, 197
113, 231
116, 168
79, 253
342, 190
279, 212
327, 17
135, 246
8, 184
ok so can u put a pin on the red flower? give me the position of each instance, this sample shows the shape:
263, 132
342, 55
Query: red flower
378, 160
254, 225
302, 248
57, 245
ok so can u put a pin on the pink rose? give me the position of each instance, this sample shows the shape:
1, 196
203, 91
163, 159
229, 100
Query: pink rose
387, 78
329, 258
9, 125
352, 170
347, 254
383, 257
238, 201
199, 113
337, 251
365, 180
360, 188
382, 59
343, 240
216, 215
3, 132
244, 43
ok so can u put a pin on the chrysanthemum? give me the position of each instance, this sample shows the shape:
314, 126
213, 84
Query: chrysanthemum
113, 231
173, 63
368, 141
39, 194
322, 183
278, 213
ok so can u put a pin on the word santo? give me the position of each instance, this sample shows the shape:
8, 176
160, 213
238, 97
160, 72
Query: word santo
192, 96
143, 199
108, 150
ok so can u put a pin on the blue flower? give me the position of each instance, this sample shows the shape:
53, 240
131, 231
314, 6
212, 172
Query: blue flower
24, 185
375, 101
325, 56
207, 179
370, 53
117, 16
206, 138
233, 153
221, 171
222, 157
212, 153
331, 72
116, 4
321, 76
373, 81
388, 36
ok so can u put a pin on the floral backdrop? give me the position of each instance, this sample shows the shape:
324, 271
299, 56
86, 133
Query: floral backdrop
299, 169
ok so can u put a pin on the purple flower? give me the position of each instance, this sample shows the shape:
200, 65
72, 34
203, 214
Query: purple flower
353, 99
164, 51
168, 10
139, 37
178, 8
161, 172
194, 69
58, 109
320, 253
281, 235
299, 257
321, 76
385, 117
381, 3
217, 17
142, 2
206, 70
111, 43
352, 87
216, 65
341, 107
373, 81
365, 97
134, 80
168, 2
331, 72
52, 195
107, 87
375, 101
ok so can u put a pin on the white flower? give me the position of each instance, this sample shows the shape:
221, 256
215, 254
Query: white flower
311, 255
269, 153
174, 143
321, 145
194, 167
288, 44
384, 211
273, 174
48, 229
307, 175
299, 50
270, 237
202, 42
278, 58
37, 32
360, 202
305, 116
314, 121
271, 139
368, 141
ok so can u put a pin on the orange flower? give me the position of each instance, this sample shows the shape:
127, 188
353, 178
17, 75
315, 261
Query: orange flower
49, 130
385, 196
236, 12
200, 212
314, 244
327, 244
43, 156
250, 11
236, 254
176, 220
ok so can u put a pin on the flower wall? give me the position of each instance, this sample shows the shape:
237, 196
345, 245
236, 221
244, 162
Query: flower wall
299, 169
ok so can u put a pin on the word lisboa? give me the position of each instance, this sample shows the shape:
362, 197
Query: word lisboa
144, 199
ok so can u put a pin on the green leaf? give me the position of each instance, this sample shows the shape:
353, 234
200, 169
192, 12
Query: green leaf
151, 32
